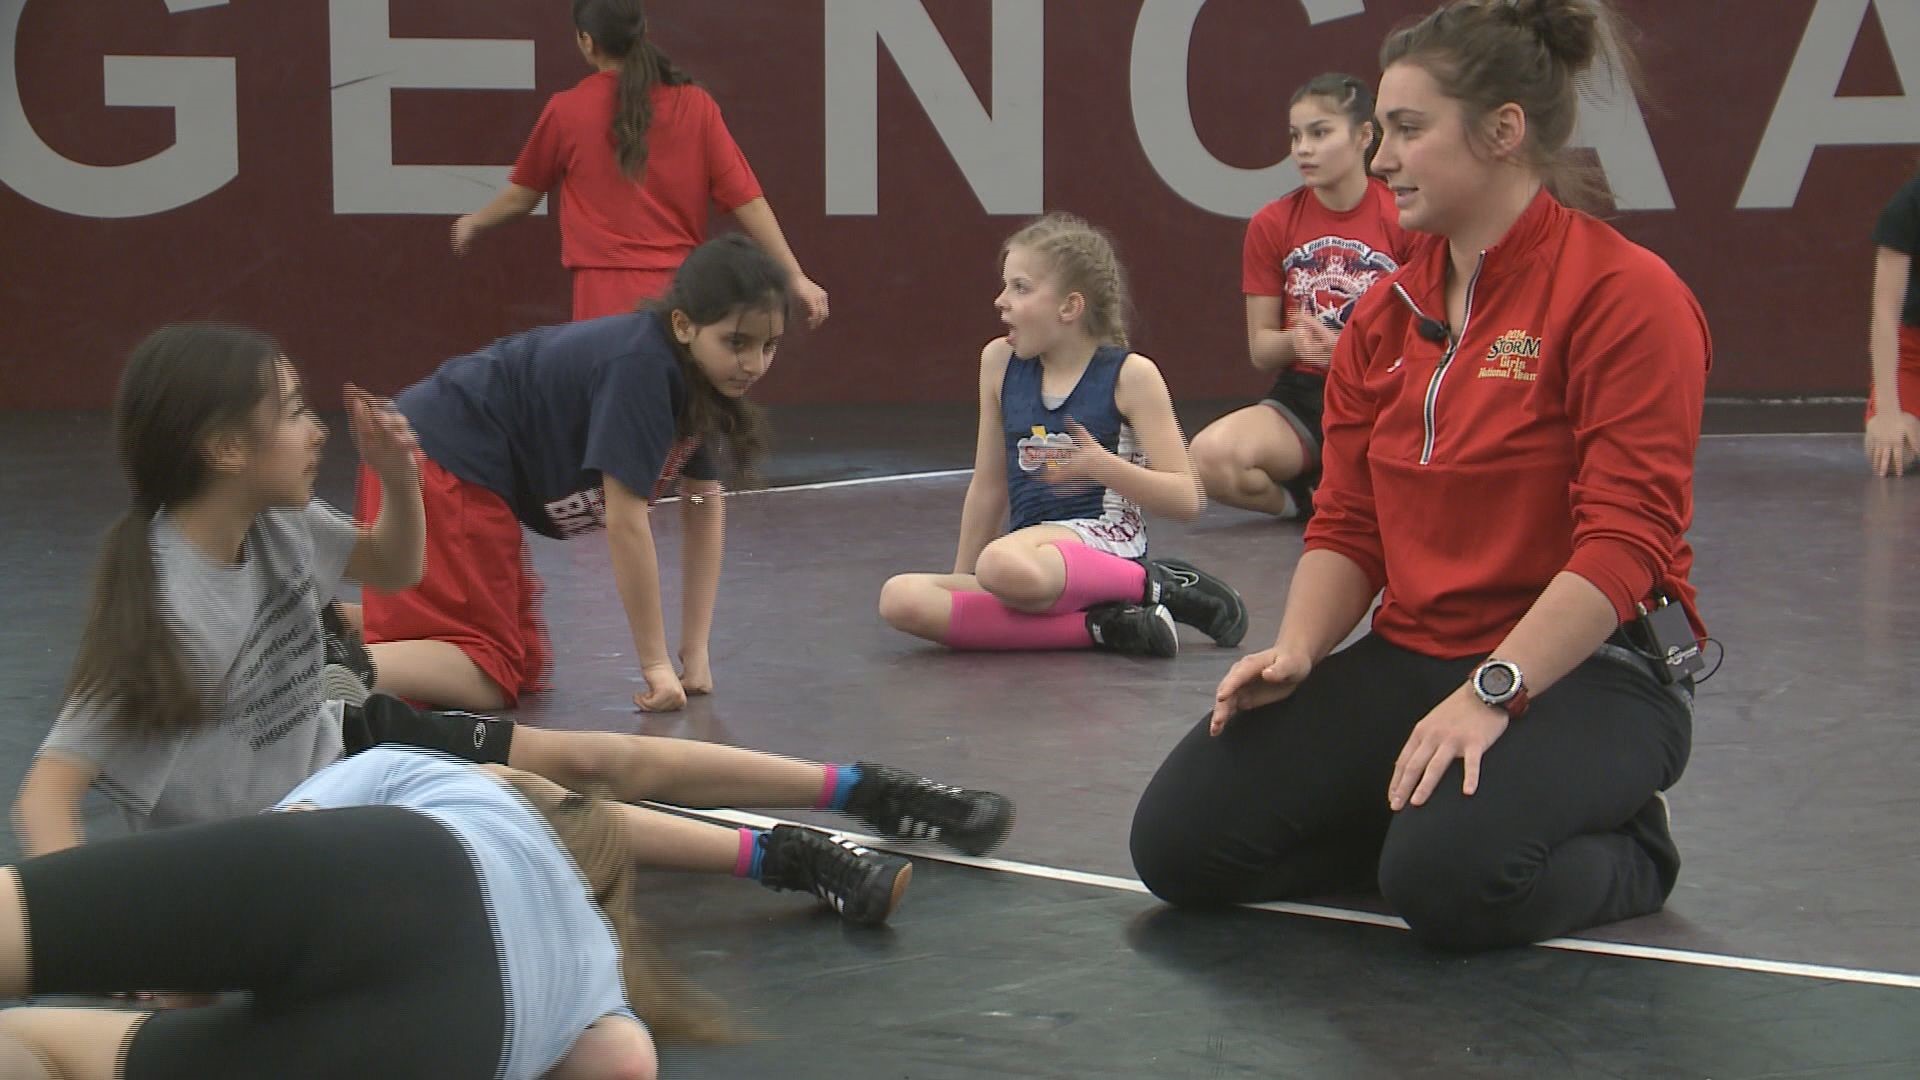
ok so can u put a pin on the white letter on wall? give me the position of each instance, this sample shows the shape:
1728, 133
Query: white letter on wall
205, 154
1163, 117
1001, 152
1810, 115
368, 65
1611, 123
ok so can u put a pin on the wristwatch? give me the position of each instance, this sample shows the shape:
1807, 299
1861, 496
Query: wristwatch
1499, 684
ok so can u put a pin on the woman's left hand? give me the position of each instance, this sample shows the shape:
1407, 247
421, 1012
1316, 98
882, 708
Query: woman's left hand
1462, 726
1084, 466
385, 438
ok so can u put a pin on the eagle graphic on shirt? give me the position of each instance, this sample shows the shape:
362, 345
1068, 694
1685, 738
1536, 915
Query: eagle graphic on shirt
1325, 277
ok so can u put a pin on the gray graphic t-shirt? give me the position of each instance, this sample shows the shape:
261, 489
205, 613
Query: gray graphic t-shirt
250, 633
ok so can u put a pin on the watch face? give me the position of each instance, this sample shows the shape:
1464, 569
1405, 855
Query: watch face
1496, 681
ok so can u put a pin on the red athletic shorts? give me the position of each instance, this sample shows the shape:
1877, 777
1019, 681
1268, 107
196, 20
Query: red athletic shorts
479, 592
1908, 379
600, 291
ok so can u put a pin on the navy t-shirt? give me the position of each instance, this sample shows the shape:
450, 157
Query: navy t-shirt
1899, 229
538, 417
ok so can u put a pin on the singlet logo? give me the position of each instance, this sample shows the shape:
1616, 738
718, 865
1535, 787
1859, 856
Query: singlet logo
1326, 276
1513, 355
1041, 449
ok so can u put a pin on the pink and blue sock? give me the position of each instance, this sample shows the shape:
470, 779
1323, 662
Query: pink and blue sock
753, 852
836, 786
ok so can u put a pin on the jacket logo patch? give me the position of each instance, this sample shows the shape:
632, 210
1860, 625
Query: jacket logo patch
1513, 355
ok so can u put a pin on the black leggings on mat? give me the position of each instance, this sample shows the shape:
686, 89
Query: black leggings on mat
360, 933
1290, 801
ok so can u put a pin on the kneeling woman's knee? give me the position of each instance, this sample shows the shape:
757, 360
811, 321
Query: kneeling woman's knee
1172, 857
1451, 899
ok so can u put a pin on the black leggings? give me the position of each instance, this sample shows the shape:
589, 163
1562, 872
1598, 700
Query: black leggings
1291, 801
361, 934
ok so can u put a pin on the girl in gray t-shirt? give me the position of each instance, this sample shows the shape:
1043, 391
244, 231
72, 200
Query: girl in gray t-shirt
197, 693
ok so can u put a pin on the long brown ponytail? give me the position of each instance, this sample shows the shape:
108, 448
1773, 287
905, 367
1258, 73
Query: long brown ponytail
180, 386
619, 29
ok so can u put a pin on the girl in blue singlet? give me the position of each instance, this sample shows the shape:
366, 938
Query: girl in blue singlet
1077, 440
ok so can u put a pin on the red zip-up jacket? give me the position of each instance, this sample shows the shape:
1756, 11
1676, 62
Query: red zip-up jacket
1559, 434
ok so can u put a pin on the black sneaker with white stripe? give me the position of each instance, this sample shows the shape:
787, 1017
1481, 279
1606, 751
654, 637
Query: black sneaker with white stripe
864, 886
1134, 629
1197, 599
901, 806
344, 645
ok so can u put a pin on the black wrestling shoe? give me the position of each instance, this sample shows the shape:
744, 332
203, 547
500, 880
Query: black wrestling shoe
344, 645
339, 683
1301, 490
1134, 629
1197, 599
899, 805
863, 886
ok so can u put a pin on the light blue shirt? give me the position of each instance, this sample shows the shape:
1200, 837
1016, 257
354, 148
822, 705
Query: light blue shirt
560, 962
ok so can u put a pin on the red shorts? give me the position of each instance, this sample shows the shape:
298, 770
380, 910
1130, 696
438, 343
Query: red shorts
479, 592
601, 291
1907, 379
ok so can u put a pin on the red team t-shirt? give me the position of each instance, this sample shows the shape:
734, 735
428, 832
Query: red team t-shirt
1320, 261
608, 222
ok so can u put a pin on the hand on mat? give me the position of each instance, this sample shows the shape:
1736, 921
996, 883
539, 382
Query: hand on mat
696, 671
1084, 466
464, 231
1258, 679
1313, 341
664, 692
1893, 440
1461, 726
386, 441
812, 297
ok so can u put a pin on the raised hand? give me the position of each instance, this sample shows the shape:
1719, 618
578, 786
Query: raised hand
385, 438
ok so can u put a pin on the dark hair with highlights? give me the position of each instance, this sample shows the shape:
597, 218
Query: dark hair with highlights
182, 385
727, 275
1535, 54
619, 29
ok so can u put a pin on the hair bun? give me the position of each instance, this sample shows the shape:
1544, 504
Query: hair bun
1570, 29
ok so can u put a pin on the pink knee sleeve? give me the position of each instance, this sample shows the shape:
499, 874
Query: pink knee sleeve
1095, 577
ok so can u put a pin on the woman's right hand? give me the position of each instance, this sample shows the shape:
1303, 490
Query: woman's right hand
1893, 440
1261, 678
664, 692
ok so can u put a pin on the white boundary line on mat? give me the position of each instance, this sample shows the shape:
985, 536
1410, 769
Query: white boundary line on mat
944, 474
1316, 911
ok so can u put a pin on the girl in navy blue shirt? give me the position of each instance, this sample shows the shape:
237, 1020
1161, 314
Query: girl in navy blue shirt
1077, 440
567, 430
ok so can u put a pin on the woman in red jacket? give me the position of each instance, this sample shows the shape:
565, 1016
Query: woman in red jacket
1510, 431
636, 154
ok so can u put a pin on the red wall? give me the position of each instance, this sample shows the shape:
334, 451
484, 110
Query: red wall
379, 299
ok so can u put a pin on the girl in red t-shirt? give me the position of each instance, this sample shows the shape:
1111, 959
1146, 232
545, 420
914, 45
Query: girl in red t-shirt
1307, 259
637, 153
1893, 434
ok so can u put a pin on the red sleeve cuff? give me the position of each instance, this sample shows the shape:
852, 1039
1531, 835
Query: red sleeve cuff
1367, 559
1618, 571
